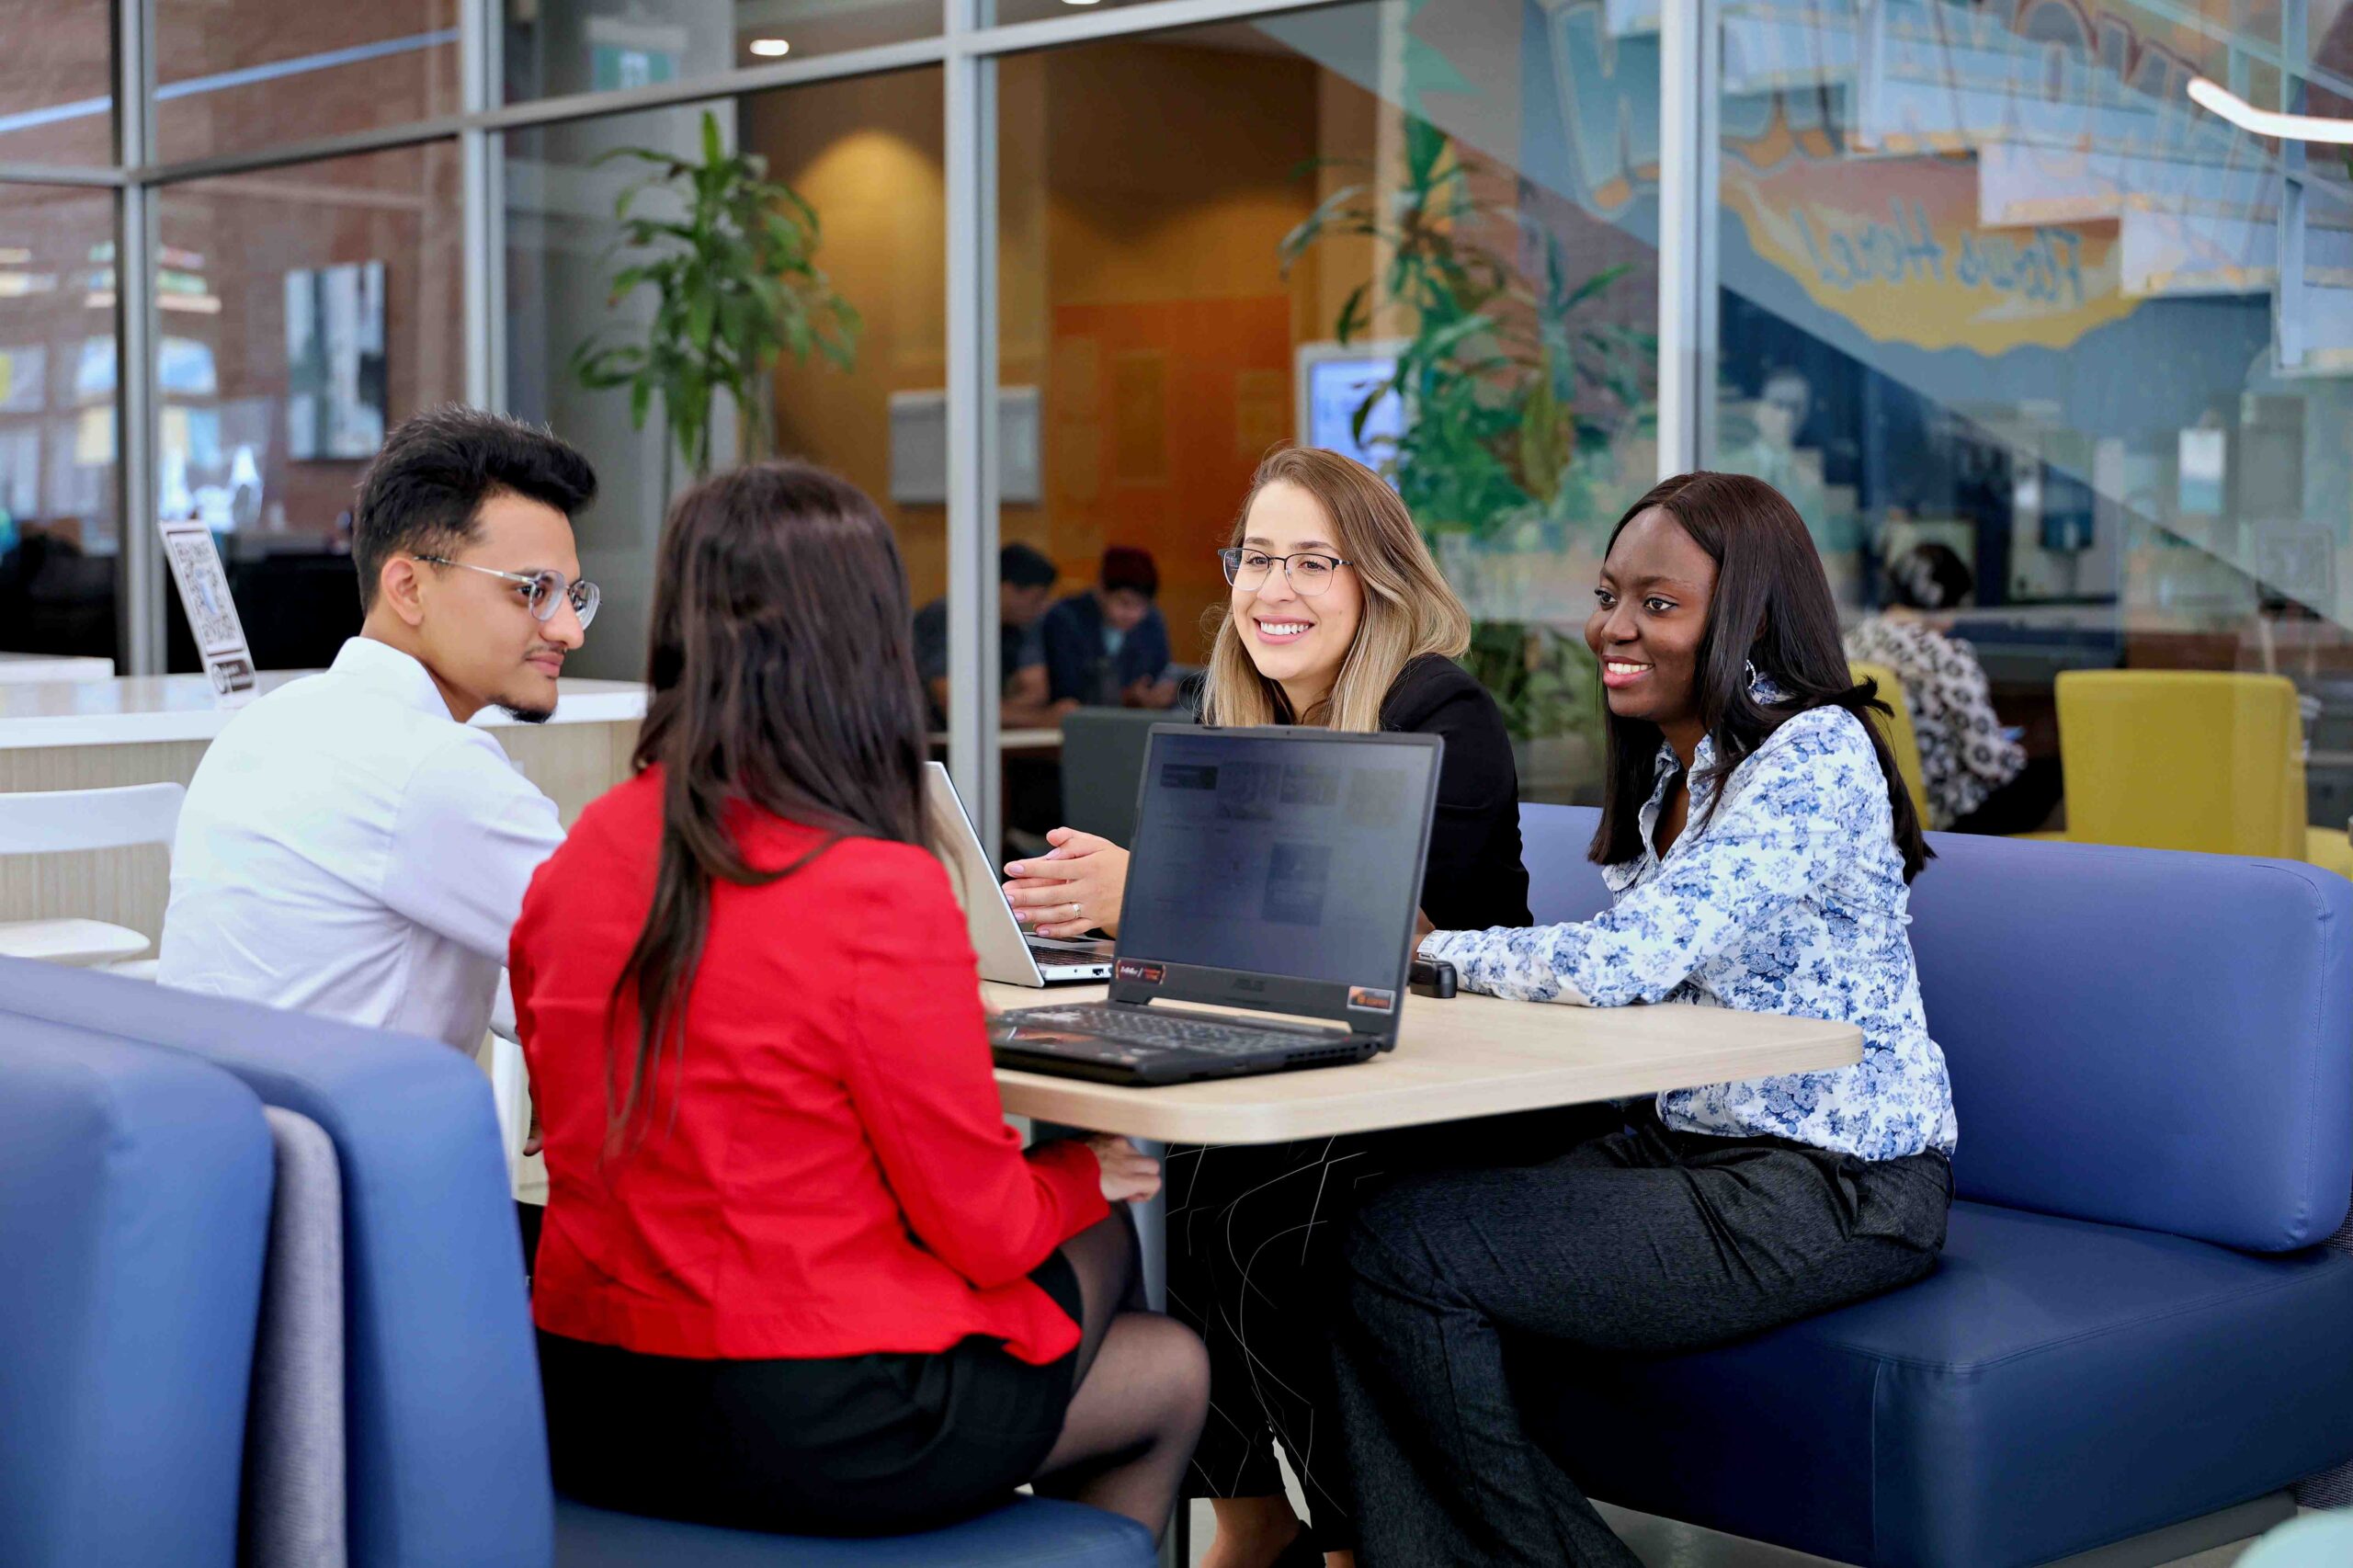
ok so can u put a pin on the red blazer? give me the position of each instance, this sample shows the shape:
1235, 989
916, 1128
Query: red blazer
836, 1176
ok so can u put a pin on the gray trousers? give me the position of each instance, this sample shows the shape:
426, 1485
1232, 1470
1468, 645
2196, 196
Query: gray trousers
1642, 1242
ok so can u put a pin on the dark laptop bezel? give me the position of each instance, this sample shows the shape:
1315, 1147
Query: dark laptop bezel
1370, 1012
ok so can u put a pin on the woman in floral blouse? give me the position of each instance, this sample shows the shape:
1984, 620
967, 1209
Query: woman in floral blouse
1759, 846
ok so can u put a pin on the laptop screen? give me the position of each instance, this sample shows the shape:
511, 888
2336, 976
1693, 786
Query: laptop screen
1280, 852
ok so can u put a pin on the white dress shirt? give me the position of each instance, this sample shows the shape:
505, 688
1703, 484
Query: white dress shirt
348, 848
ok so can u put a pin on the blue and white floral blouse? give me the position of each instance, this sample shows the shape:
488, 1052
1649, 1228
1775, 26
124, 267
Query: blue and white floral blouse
1792, 900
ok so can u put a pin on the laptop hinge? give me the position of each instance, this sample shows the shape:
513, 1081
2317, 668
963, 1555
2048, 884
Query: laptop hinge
1275, 1023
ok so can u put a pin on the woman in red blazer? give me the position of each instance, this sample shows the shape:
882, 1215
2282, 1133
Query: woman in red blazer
796, 1272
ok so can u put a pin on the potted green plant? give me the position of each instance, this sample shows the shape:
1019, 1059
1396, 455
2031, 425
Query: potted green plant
736, 287
1515, 403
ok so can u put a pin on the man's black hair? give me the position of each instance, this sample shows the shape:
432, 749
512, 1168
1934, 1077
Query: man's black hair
423, 493
1125, 566
1025, 567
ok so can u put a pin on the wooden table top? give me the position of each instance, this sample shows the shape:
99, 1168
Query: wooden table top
1469, 1056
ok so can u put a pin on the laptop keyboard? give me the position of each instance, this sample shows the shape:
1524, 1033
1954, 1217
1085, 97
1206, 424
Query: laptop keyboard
1131, 1025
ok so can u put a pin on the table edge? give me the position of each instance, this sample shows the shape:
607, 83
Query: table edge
1139, 1113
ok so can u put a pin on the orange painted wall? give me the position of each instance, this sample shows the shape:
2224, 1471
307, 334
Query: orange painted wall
867, 153
1159, 412
1146, 188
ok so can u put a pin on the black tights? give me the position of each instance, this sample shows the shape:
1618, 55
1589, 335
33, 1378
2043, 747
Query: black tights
1143, 1389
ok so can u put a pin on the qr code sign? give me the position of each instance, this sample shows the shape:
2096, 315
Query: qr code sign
204, 591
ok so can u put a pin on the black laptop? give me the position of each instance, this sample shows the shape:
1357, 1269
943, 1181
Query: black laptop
1274, 870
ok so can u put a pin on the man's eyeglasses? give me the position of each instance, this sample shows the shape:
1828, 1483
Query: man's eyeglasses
542, 590
1307, 574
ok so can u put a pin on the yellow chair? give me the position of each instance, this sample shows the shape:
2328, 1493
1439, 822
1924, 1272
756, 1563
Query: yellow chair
2189, 759
1902, 738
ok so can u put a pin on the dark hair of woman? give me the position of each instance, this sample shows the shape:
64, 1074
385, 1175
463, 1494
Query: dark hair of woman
1772, 609
783, 681
1929, 577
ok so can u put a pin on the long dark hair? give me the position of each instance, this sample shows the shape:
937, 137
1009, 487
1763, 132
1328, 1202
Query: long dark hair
1771, 609
783, 681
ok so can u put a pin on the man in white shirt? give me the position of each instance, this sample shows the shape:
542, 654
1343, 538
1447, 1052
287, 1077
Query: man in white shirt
349, 846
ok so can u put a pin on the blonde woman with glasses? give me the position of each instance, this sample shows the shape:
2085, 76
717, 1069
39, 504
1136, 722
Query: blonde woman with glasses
1339, 619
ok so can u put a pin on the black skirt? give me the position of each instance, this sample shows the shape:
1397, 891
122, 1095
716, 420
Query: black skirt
851, 1445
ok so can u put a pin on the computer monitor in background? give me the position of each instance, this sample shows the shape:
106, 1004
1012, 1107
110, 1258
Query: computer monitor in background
1333, 381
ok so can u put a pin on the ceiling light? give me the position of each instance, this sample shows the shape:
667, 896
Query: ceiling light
2268, 122
770, 47
1078, 2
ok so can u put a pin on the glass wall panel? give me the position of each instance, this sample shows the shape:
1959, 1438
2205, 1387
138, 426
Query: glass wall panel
1218, 240
60, 542
555, 46
304, 311
864, 158
2004, 313
57, 82
233, 78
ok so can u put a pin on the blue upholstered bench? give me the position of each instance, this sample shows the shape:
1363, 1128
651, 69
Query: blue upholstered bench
2151, 1058
446, 1446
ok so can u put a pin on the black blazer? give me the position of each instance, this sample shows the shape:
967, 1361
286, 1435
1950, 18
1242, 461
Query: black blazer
1473, 878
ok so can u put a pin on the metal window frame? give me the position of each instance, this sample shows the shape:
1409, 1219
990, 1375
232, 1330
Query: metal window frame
975, 656
1690, 87
967, 50
139, 587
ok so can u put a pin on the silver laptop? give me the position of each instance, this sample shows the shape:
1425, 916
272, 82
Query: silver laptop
1008, 954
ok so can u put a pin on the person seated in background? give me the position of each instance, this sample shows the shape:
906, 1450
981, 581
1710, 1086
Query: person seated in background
1977, 778
1024, 586
349, 846
1108, 647
797, 1273
1033, 784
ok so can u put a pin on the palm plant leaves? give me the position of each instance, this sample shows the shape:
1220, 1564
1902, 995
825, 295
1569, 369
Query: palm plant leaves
728, 256
1505, 387
1504, 390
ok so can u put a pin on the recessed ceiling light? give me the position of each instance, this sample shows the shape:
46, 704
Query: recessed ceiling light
770, 47
2267, 122
1078, 2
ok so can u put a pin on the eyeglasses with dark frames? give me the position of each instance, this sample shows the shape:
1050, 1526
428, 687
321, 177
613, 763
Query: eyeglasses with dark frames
1307, 574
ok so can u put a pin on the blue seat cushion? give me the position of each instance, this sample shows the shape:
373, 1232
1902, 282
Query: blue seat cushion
134, 1204
1031, 1533
445, 1442
2055, 1385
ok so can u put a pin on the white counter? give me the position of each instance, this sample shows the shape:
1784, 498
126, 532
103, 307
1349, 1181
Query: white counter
138, 710
18, 668
153, 730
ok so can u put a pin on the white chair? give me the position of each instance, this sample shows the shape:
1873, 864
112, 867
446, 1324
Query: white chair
510, 1084
66, 820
